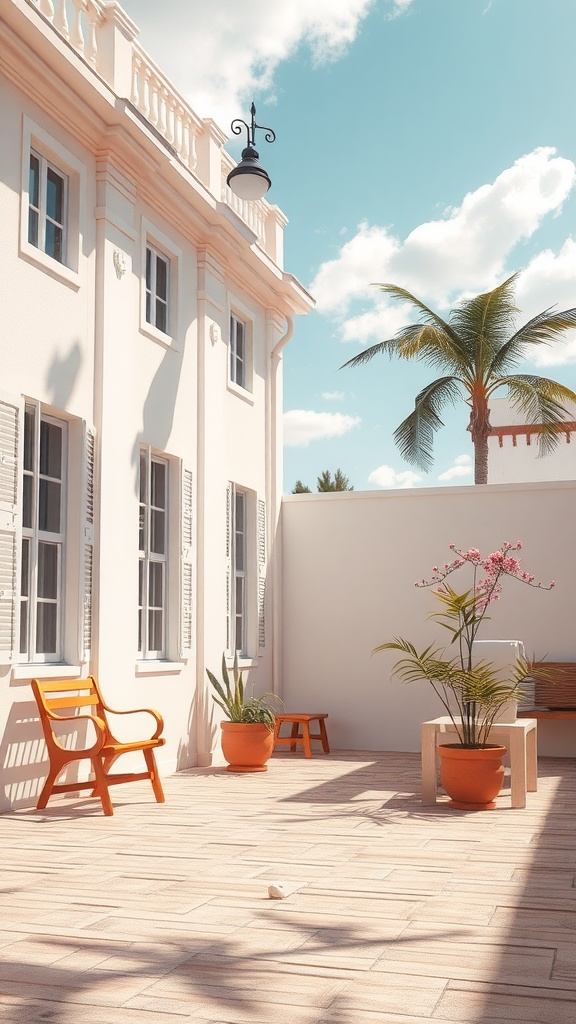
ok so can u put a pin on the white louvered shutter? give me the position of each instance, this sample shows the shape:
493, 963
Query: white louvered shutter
261, 574
186, 575
229, 523
89, 442
10, 432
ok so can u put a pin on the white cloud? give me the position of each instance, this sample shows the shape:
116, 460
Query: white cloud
303, 425
462, 467
550, 278
219, 53
333, 396
385, 476
463, 252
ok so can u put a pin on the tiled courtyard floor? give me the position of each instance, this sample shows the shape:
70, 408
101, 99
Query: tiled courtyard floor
395, 913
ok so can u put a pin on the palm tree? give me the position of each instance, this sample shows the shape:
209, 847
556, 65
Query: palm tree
476, 350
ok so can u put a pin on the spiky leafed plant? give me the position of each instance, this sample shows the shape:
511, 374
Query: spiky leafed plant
476, 348
233, 700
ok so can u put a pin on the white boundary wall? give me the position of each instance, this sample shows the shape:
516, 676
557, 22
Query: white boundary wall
350, 561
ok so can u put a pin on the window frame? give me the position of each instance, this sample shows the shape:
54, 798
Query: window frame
36, 141
151, 289
162, 246
33, 537
147, 558
238, 314
241, 573
41, 208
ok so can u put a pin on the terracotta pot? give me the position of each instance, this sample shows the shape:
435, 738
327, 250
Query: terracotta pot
472, 778
247, 747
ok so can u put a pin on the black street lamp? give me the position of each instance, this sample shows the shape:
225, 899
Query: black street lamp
248, 180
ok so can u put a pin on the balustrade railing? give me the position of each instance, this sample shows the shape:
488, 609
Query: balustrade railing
165, 109
76, 21
152, 94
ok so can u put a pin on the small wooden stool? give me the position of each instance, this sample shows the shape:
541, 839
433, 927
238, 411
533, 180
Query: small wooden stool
305, 735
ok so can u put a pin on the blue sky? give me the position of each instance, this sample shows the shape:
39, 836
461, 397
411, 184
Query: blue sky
429, 143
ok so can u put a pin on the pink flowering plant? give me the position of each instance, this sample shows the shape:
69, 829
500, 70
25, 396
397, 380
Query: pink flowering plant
472, 691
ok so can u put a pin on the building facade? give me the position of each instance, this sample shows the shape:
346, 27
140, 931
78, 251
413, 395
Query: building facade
513, 453
144, 313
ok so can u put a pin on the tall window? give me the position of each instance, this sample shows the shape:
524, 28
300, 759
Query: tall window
152, 587
237, 351
157, 275
237, 570
41, 597
47, 194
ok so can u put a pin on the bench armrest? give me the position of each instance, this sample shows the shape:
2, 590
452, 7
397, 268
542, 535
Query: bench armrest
98, 723
140, 711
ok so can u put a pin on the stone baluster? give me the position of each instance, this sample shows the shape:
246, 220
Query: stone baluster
185, 147
162, 109
170, 118
153, 117
92, 44
77, 36
61, 19
47, 8
145, 108
192, 155
135, 91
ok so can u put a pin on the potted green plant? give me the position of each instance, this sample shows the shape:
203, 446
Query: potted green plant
472, 691
248, 733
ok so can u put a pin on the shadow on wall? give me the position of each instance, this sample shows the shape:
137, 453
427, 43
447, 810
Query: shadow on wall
24, 758
63, 375
158, 408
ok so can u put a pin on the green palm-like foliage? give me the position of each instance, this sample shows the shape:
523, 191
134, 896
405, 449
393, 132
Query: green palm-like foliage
476, 349
233, 700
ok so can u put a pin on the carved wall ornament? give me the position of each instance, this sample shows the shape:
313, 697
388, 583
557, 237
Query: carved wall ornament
119, 263
215, 334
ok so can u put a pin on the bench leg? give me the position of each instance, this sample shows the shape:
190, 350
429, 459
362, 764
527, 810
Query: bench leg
154, 777
294, 735
101, 788
324, 737
47, 788
306, 739
429, 785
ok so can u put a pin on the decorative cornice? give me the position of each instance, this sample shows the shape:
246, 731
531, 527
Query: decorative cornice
526, 430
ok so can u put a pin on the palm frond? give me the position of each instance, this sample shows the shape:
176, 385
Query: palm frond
543, 329
415, 435
541, 401
484, 321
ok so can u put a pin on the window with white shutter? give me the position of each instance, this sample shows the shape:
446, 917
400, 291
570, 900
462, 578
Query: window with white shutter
10, 426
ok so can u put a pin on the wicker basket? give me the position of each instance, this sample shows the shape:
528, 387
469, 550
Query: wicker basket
558, 690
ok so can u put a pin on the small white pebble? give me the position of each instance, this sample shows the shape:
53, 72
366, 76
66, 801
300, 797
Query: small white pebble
276, 892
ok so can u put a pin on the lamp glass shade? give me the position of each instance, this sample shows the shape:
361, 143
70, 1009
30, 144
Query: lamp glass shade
248, 180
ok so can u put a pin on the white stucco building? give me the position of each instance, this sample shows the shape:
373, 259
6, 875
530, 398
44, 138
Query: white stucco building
513, 448
144, 311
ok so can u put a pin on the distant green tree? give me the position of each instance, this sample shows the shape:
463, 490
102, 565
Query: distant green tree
339, 483
325, 483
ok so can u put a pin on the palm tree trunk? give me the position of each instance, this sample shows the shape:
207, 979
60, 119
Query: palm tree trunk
481, 460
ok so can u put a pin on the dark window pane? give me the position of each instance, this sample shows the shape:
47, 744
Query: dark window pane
156, 576
155, 642
157, 529
148, 311
142, 529
25, 569
142, 478
34, 180
53, 245
46, 629
158, 495
141, 582
140, 630
240, 340
148, 269
47, 571
27, 502
51, 450
161, 316
33, 227
161, 278
49, 506
23, 627
54, 196
29, 420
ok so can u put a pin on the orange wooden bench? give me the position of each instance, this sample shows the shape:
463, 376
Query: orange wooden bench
301, 722
84, 704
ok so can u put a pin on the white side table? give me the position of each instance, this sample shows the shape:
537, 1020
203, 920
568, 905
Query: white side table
519, 737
